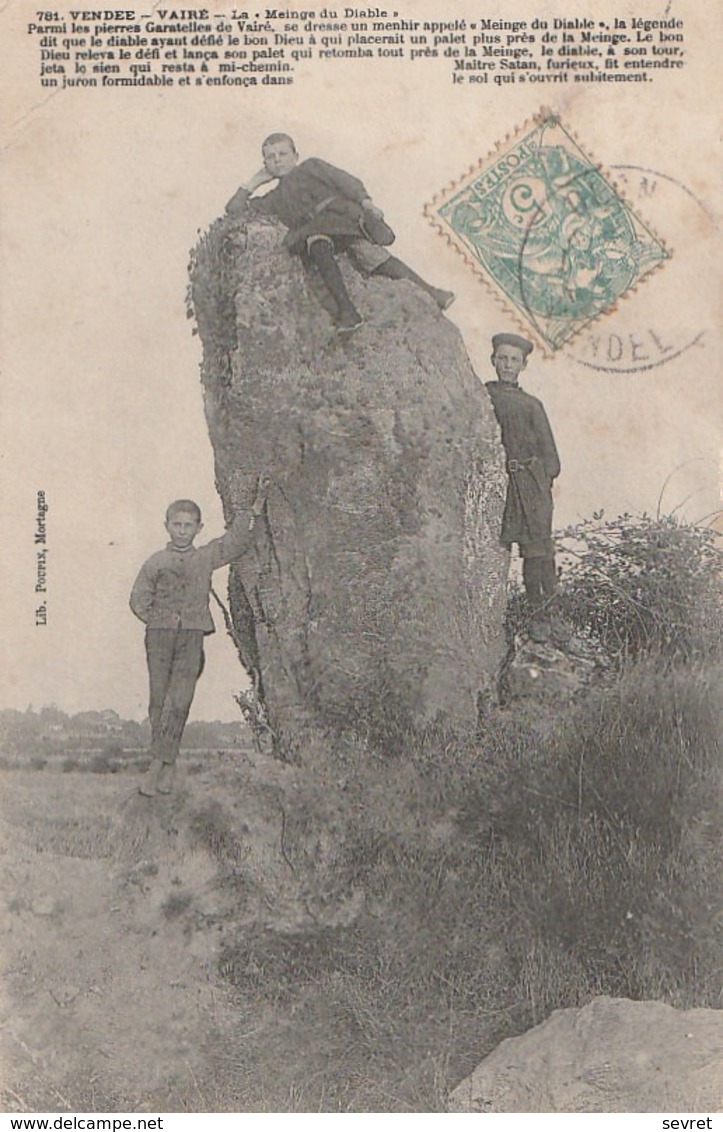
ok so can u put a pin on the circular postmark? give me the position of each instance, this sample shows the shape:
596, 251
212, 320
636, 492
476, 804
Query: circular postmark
589, 251
641, 323
663, 320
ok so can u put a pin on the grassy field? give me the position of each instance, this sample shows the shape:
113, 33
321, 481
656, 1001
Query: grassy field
356, 935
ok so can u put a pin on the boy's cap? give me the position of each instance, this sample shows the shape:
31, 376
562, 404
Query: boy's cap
515, 340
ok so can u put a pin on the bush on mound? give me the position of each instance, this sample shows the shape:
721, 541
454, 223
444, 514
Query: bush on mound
642, 585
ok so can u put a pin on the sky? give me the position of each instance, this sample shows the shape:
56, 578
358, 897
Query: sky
105, 192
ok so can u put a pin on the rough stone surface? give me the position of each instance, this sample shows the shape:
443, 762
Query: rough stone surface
612, 1055
544, 671
378, 587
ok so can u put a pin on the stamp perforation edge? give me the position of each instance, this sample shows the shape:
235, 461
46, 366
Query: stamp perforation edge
545, 114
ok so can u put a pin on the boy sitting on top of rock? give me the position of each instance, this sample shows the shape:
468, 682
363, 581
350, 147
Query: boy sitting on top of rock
327, 211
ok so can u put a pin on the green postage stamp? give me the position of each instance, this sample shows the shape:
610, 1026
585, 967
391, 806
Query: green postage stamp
541, 221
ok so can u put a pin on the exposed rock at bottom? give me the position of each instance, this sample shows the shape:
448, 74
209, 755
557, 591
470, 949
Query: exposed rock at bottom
554, 673
613, 1055
378, 588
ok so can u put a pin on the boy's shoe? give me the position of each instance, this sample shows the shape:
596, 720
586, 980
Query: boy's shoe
376, 229
166, 778
349, 321
149, 782
444, 299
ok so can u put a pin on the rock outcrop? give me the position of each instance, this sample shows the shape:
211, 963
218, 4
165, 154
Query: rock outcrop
377, 589
612, 1055
549, 672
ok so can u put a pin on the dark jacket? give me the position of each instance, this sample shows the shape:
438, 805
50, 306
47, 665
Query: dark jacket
297, 198
532, 463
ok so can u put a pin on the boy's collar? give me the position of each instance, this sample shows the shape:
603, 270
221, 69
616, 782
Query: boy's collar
180, 549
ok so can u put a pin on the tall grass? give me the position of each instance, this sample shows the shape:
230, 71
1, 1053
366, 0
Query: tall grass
501, 879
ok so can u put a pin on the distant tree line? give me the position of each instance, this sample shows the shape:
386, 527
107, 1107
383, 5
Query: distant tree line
51, 730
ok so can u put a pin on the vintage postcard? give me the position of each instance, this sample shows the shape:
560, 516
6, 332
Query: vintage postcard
361, 436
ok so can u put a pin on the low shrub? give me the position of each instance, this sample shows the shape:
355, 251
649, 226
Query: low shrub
211, 829
107, 761
100, 763
642, 585
176, 904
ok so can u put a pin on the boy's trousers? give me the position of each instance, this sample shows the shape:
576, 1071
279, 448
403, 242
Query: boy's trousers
175, 662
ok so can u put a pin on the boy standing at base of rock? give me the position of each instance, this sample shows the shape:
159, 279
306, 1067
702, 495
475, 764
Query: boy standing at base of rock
171, 597
532, 466
327, 211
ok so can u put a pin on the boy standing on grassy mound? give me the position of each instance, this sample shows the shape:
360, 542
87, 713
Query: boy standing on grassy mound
532, 466
171, 597
327, 211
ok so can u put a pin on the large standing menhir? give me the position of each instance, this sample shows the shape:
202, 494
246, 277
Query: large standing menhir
376, 592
